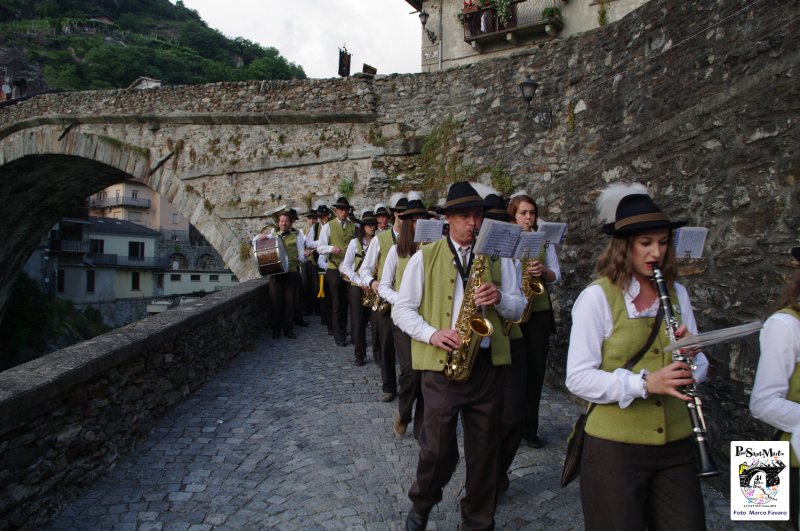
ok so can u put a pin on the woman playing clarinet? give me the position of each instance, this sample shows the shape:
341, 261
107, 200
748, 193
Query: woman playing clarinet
776, 390
637, 467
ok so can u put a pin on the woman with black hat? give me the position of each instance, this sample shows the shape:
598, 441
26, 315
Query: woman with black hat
409, 392
353, 257
776, 390
637, 468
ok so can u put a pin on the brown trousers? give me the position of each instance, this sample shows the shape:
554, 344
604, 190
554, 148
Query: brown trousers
478, 402
409, 383
384, 325
359, 315
536, 334
515, 403
629, 487
337, 291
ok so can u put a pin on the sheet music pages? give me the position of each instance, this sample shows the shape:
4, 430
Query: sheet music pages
497, 238
428, 230
715, 336
689, 242
554, 232
528, 245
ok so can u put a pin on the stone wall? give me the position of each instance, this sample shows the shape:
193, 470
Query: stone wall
66, 418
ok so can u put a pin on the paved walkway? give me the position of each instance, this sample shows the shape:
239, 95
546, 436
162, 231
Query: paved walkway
292, 436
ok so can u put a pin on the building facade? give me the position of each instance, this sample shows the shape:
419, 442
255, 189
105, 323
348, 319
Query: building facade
461, 32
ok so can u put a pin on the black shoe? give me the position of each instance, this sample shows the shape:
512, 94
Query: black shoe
330, 331
276, 334
301, 322
341, 343
358, 363
535, 442
289, 334
416, 521
502, 482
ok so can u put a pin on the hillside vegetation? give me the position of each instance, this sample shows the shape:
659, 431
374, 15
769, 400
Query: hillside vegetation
151, 38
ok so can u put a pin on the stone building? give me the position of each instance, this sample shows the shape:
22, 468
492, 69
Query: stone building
460, 32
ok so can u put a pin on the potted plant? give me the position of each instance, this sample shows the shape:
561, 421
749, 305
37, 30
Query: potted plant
549, 13
504, 11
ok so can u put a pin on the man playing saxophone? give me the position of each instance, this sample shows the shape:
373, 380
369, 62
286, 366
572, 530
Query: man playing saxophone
430, 300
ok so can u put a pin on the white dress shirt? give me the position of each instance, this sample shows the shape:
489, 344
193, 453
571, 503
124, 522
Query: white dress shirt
592, 323
386, 286
780, 353
346, 267
323, 244
405, 312
368, 266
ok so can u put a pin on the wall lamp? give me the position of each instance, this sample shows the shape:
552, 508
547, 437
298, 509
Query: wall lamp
528, 89
423, 17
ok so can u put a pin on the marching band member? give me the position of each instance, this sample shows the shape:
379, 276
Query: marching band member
382, 214
283, 286
637, 468
776, 390
536, 331
333, 241
373, 262
354, 256
309, 269
428, 309
300, 285
409, 391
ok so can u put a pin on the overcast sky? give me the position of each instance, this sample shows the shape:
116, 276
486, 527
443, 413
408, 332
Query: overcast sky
309, 33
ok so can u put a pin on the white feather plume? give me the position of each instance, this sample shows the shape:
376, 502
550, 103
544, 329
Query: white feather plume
521, 191
397, 196
378, 206
484, 189
318, 203
609, 199
414, 195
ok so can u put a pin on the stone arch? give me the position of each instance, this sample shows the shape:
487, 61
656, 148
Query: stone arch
206, 262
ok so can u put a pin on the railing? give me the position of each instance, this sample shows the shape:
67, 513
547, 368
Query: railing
110, 202
126, 261
523, 16
69, 246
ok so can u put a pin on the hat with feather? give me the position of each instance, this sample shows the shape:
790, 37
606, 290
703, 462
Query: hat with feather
627, 209
398, 202
415, 207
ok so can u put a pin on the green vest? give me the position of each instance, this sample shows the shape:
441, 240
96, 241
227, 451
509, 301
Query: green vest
339, 237
290, 243
359, 258
541, 302
656, 420
436, 306
793, 394
386, 240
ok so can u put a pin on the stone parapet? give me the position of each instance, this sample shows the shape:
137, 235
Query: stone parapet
67, 417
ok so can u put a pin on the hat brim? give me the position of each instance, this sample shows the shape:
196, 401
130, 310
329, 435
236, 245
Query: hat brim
499, 215
341, 206
420, 212
645, 226
795, 252
466, 205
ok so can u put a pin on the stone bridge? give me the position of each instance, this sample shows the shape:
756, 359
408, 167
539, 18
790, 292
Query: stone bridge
699, 100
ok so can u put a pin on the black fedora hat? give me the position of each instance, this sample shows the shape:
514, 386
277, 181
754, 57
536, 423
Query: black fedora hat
415, 208
460, 196
495, 208
323, 210
368, 218
342, 203
639, 213
313, 213
795, 253
381, 210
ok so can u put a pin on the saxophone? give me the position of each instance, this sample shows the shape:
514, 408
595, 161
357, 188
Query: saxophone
371, 299
531, 286
471, 327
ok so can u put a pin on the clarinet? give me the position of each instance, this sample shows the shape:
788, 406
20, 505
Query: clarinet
695, 406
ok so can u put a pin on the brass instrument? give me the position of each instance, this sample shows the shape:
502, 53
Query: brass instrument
321, 292
274, 215
531, 287
371, 299
471, 327
706, 463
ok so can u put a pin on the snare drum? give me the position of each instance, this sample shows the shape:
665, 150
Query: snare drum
271, 256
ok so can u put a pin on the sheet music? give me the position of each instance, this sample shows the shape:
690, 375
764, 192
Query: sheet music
689, 242
528, 245
554, 232
715, 336
428, 230
497, 238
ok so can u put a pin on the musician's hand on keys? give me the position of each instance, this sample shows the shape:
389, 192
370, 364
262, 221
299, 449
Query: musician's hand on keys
667, 380
536, 269
364, 288
374, 286
445, 339
682, 332
487, 294
336, 250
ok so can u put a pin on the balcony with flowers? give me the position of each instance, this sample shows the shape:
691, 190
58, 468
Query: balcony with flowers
491, 21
